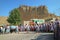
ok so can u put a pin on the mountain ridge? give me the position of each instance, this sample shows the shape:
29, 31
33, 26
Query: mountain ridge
28, 12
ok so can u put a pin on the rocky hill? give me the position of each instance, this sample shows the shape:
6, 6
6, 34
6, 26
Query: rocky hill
41, 12
29, 12
3, 20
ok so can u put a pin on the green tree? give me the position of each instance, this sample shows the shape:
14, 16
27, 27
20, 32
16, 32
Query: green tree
14, 17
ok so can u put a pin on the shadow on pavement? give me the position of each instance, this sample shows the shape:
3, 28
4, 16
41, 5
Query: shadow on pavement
45, 37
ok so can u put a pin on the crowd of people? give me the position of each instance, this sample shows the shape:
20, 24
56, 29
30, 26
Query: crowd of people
44, 27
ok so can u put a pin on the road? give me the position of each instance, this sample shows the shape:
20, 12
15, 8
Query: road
45, 36
27, 36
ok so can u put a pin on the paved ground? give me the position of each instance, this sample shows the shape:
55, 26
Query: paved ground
45, 36
27, 36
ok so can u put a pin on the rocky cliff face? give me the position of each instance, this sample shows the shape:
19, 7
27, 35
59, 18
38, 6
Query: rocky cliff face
28, 12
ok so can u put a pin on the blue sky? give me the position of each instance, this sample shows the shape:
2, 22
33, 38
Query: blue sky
7, 5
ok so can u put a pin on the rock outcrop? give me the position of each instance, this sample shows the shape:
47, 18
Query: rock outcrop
28, 12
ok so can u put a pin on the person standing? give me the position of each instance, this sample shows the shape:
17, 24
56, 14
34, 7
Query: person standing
57, 30
8, 29
3, 30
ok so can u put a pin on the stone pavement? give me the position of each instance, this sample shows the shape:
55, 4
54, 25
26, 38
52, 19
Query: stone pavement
27, 36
